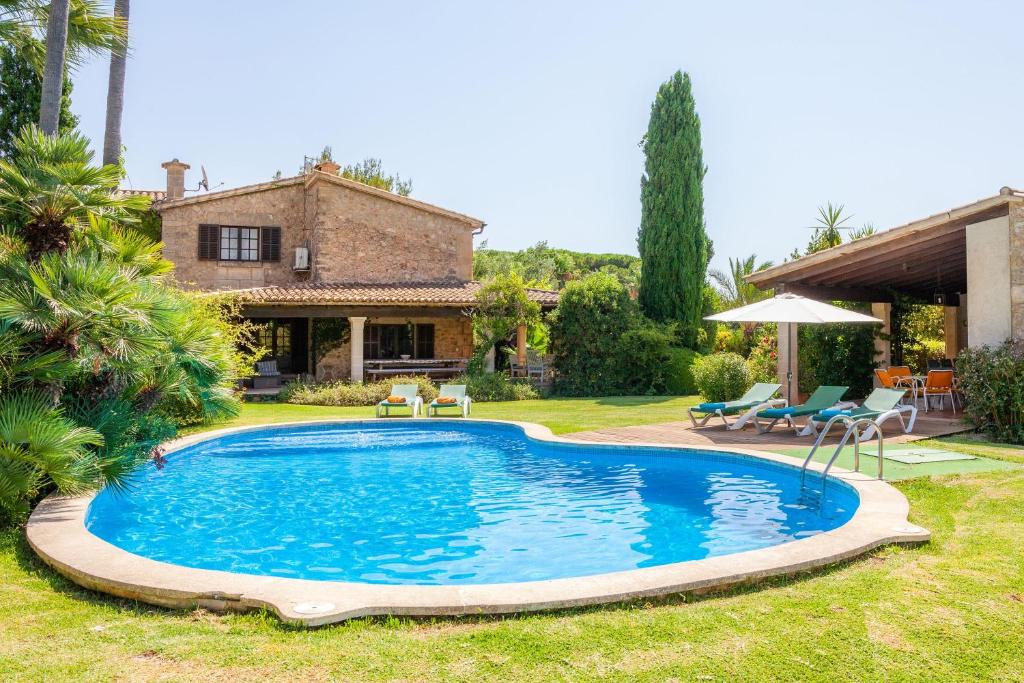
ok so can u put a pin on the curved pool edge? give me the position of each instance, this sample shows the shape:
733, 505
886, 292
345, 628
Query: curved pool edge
56, 532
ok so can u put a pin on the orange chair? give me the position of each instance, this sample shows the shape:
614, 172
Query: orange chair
939, 383
889, 382
903, 378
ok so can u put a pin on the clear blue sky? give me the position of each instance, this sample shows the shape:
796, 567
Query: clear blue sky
528, 114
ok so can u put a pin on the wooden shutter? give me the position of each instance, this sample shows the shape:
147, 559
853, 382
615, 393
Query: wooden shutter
270, 244
209, 242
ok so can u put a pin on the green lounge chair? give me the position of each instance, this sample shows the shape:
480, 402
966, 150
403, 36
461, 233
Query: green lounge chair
822, 398
407, 391
456, 391
758, 395
881, 405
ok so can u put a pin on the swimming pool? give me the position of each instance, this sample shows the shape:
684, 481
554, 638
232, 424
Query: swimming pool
452, 503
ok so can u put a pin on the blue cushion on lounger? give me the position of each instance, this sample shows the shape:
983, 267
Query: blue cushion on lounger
832, 412
777, 412
710, 407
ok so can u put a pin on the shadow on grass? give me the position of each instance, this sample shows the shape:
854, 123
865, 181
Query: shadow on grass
13, 540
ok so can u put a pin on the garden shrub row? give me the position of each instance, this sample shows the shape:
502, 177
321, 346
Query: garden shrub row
481, 388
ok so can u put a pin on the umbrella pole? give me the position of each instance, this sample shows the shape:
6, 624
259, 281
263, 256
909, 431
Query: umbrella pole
789, 364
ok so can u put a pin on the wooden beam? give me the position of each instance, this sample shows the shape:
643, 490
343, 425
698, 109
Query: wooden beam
925, 259
921, 231
837, 293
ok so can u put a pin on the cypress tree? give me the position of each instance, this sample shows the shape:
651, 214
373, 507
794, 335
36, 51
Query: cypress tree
673, 243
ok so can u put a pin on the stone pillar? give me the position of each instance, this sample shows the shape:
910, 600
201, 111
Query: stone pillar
521, 344
789, 362
175, 178
1017, 270
883, 347
356, 345
951, 330
489, 360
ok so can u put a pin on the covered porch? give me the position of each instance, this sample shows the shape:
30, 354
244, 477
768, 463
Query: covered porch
369, 332
969, 260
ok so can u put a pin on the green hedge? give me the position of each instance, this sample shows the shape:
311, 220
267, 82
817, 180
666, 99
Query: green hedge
679, 379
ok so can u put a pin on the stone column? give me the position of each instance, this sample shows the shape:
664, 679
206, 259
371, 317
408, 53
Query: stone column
356, 345
489, 361
883, 347
521, 344
951, 330
1017, 270
788, 364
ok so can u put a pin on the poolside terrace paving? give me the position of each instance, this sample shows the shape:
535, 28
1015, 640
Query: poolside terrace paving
682, 433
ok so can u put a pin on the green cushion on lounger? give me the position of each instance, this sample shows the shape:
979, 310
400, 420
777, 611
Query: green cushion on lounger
711, 407
832, 412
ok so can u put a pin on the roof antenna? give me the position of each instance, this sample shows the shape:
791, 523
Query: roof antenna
204, 184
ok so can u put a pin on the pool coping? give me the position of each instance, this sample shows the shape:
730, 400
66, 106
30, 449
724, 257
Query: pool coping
56, 532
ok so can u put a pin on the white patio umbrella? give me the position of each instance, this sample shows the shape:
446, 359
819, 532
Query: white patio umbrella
791, 308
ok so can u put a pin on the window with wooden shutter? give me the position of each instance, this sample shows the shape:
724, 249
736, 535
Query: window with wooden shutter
270, 244
209, 239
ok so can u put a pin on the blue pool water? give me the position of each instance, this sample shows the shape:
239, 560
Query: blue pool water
451, 503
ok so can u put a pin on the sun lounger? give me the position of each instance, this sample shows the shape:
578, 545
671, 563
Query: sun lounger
823, 397
456, 393
409, 392
758, 395
880, 406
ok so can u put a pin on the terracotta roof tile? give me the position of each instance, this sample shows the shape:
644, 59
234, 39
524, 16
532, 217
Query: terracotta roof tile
398, 293
155, 195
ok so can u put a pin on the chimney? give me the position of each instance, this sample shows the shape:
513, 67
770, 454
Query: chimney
328, 167
175, 178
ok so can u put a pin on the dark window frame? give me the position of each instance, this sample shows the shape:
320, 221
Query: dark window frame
262, 243
379, 336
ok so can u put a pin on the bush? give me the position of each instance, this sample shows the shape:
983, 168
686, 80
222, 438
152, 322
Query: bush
352, 393
497, 386
722, 376
601, 344
679, 372
991, 379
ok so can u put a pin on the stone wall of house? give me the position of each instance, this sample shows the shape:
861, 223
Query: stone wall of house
1016, 269
282, 206
363, 238
356, 237
453, 338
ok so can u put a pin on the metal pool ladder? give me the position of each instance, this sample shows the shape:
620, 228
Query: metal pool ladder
855, 428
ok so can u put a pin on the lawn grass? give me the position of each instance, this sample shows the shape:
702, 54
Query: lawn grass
951, 610
558, 414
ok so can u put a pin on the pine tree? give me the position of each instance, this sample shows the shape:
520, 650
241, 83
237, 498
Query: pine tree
20, 91
673, 243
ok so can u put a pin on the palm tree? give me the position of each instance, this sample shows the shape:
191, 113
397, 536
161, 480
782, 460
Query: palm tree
49, 188
830, 222
53, 73
115, 93
56, 34
733, 286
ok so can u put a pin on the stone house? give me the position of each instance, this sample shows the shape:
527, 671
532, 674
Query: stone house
347, 280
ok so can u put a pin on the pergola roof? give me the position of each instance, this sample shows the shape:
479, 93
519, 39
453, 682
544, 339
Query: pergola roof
916, 259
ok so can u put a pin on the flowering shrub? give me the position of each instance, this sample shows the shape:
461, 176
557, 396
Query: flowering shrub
763, 359
352, 393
